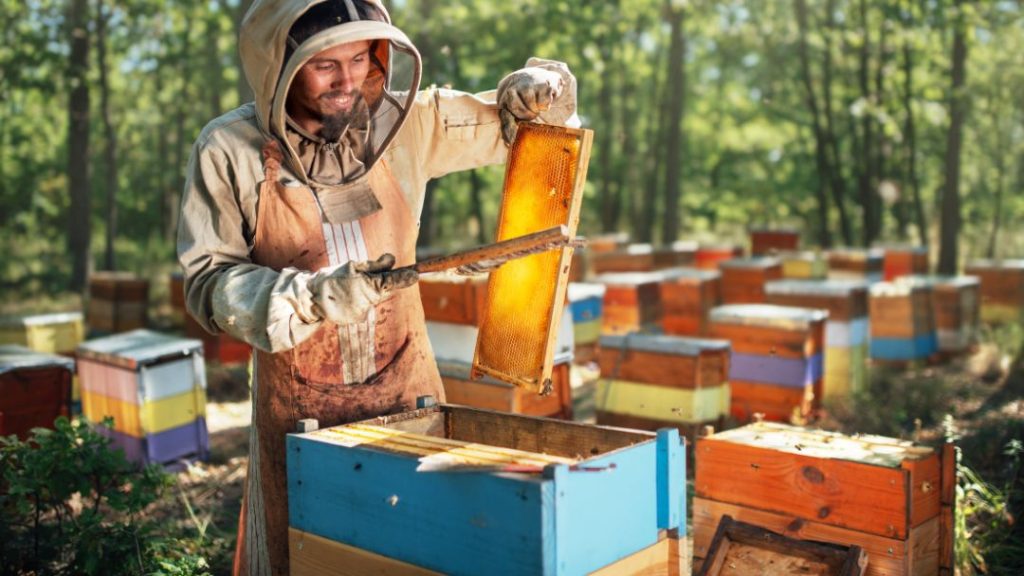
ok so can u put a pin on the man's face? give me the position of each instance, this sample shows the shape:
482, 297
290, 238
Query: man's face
326, 89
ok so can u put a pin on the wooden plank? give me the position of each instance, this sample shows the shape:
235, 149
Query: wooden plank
924, 486
458, 301
852, 495
768, 341
947, 495
886, 556
777, 403
498, 253
947, 538
654, 402
651, 367
690, 431
924, 548
665, 558
312, 555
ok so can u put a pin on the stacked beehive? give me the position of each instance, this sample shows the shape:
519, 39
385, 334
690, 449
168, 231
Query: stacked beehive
353, 488
585, 302
902, 322
632, 302
58, 333
154, 387
1002, 289
453, 306
855, 264
650, 382
35, 388
743, 279
766, 242
632, 258
708, 256
955, 309
846, 331
777, 358
680, 253
687, 297
892, 498
803, 265
118, 302
904, 261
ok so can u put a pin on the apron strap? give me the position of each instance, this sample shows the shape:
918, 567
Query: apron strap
272, 158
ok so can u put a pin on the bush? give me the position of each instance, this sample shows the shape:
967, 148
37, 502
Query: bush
72, 505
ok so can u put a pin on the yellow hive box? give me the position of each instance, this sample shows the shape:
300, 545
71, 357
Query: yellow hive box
49, 333
149, 418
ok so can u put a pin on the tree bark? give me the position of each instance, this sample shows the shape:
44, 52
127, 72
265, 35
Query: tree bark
213, 76
866, 176
910, 135
837, 183
109, 135
820, 152
606, 193
950, 219
675, 139
646, 204
181, 116
237, 13
477, 206
78, 143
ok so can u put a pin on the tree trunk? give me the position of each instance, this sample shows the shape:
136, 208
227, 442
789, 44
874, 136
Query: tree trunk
820, 152
477, 205
880, 145
427, 225
181, 144
212, 80
109, 134
646, 204
910, 135
78, 143
950, 219
866, 177
605, 164
242, 87
837, 183
675, 138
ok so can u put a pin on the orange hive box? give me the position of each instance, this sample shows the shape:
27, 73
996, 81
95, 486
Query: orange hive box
765, 242
493, 394
687, 297
632, 302
117, 302
954, 309
777, 358
35, 388
805, 265
743, 279
892, 498
904, 261
547, 167
902, 321
707, 257
453, 298
681, 253
1002, 289
607, 242
855, 264
632, 258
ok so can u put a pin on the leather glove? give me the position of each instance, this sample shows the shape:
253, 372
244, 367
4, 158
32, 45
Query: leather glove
543, 91
346, 294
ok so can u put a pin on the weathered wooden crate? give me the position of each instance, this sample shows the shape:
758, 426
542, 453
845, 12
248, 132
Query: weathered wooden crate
885, 495
743, 279
902, 321
708, 256
679, 253
452, 298
491, 394
900, 261
777, 358
687, 297
766, 242
220, 347
479, 492
846, 330
632, 302
652, 381
35, 388
1001, 288
58, 333
632, 258
154, 387
806, 265
607, 242
955, 310
855, 264
118, 301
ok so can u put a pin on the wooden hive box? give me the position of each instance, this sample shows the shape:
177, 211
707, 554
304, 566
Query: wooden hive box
452, 298
586, 302
679, 253
743, 279
1001, 288
632, 258
220, 347
890, 497
767, 242
58, 333
579, 268
35, 388
651, 382
118, 301
687, 297
904, 261
902, 321
846, 330
176, 296
777, 358
632, 302
955, 310
154, 387
803, 265
855, 264
531, 496
491, 394
457, 342
708, 256
607, 242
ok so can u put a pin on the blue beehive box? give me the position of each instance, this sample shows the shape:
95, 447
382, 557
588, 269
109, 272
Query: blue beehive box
458, 490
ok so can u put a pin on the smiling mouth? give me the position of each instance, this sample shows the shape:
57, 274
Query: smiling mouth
339, 101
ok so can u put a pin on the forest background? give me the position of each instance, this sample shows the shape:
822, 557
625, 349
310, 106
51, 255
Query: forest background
853, 121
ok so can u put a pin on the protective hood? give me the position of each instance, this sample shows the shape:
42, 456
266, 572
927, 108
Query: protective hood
388, 92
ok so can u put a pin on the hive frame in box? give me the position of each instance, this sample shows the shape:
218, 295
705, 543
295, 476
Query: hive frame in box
524, 192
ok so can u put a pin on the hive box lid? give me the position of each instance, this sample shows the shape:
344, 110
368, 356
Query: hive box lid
14, 357
785, 317
684, 273
940, 282
41, 319
138, 348
755, 262
815, 287
584, 290
998, 264
662, 344
626, 279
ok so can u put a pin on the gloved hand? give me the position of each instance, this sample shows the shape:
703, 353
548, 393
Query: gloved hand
346, 294
545, 90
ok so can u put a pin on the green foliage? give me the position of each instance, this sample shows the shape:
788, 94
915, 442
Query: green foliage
72, 505
987, 540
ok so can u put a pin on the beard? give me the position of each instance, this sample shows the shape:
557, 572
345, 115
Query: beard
333, 126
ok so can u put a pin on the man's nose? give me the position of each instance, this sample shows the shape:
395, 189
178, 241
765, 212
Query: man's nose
344, 81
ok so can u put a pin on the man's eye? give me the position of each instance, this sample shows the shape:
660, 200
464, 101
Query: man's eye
323, 66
